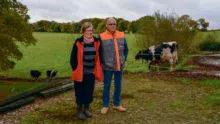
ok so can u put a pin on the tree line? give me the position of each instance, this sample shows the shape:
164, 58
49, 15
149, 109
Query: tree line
99, 24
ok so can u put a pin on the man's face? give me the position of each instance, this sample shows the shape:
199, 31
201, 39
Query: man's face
111, 25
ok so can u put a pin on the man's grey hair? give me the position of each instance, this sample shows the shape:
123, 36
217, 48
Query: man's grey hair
110, 18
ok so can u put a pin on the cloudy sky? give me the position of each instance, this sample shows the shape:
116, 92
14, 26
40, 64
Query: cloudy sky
75, 10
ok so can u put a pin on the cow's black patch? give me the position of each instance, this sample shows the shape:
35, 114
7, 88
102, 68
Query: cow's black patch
35, 74
51, 73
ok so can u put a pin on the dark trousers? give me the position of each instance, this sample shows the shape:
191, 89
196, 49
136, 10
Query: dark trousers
84, 90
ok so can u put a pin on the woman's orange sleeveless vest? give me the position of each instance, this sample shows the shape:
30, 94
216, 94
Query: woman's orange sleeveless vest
77, 74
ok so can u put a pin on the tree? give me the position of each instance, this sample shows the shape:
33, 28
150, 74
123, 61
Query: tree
42, 26
203, 24
132, 27
159, 28
95, 21
76, 27
14, 28
66, 27
121, 25
55, 27
102, 26
146, 28
186, 20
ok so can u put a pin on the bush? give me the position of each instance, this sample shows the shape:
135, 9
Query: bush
210, 43
159, 28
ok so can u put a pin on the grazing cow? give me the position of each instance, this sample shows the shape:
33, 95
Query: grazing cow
35, 74
51, 74
161, 53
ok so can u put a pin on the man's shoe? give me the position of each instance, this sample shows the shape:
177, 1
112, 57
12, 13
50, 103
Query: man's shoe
104, 110
120, 108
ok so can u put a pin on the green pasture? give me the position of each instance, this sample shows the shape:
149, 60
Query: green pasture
52, 51
217, 33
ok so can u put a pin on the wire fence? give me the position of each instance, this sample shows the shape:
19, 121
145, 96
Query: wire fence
187, 55
178, 68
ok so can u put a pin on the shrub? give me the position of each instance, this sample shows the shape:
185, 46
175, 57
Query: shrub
159, 28
210, 43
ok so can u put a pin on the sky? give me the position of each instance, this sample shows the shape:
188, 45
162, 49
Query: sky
76, 10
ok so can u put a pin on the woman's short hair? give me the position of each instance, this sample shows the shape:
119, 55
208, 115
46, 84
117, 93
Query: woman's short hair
85, 26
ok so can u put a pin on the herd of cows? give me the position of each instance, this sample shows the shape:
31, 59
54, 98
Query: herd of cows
165, 52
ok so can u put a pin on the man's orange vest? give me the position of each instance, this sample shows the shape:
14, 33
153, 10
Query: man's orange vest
112, 46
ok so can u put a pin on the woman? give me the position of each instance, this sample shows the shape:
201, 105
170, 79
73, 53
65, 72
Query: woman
85, 63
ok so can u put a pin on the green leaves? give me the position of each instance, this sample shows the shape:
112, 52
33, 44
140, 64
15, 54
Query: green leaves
14, 28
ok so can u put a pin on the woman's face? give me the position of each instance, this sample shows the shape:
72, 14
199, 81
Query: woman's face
88, 32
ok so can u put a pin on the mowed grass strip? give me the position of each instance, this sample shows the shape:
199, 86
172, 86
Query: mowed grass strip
147, 100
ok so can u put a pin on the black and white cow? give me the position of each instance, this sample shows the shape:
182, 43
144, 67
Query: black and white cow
161, 53
35, 74
51, 74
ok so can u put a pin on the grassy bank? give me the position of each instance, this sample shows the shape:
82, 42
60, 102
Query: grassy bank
9, 88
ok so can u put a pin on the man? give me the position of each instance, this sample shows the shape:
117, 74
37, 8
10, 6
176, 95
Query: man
113, 53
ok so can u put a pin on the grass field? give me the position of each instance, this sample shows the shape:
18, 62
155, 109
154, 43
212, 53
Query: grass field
52, 51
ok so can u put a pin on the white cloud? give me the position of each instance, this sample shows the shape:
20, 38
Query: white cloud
76, 10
